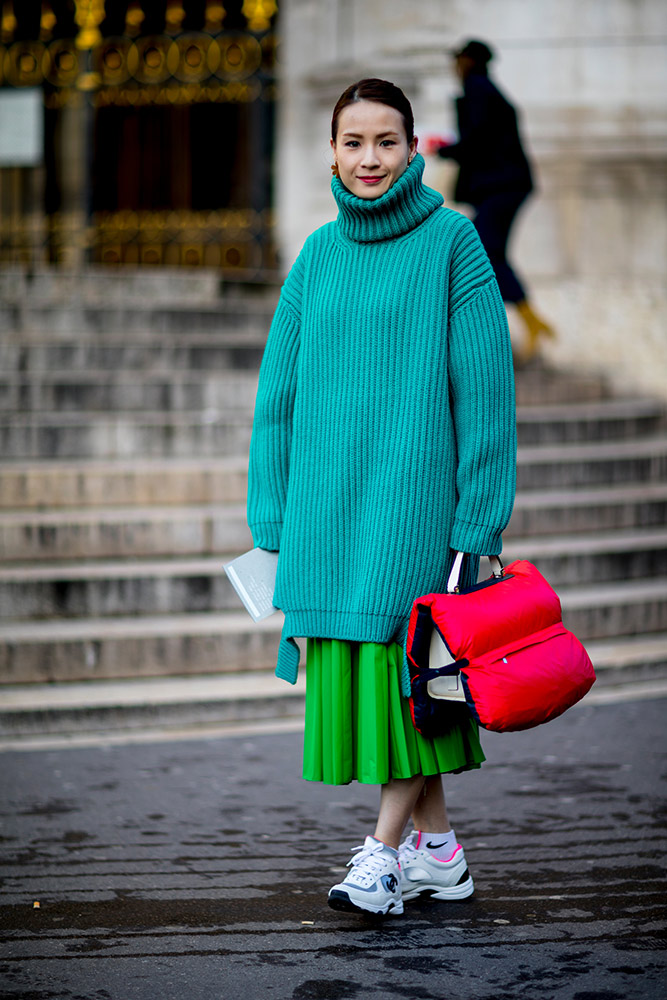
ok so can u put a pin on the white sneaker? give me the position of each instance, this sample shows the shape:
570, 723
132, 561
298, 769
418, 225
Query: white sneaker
373, 885
421, 872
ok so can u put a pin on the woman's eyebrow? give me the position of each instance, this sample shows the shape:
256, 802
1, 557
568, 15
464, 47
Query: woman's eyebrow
380, 135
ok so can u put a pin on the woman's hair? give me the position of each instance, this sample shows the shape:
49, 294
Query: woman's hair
380, 91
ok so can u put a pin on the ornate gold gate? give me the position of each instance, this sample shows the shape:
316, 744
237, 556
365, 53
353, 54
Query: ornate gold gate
157, 133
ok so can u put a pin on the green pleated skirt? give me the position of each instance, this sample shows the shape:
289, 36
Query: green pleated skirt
358, 725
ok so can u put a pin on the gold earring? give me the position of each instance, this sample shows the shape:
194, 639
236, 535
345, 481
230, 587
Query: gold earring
334, 169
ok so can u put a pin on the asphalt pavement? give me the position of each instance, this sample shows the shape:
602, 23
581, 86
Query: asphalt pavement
199, 868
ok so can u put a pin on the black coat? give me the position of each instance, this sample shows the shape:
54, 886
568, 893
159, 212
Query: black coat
489, 150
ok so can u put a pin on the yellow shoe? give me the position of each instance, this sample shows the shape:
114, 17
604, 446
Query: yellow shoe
536, 329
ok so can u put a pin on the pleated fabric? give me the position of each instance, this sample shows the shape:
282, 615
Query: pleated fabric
358, 725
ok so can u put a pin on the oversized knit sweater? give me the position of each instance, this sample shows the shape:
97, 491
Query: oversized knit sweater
384, 432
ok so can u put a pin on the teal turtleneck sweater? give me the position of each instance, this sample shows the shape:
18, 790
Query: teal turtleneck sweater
384, 431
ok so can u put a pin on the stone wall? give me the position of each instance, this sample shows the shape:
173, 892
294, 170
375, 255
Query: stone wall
589, 77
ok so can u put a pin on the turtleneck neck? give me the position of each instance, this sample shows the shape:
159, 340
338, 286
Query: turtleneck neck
402, 208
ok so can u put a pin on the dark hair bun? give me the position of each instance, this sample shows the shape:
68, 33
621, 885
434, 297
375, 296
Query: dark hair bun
380, 91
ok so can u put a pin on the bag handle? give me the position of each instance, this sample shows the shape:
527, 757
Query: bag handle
453, 581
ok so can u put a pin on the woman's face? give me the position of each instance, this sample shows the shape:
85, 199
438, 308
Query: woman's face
371, 148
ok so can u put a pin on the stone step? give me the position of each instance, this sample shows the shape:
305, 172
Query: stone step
97, 532
105, 285
174, 585
142, 481
603, 556
32, 710
225, 430
213, 395
539, 385
101, 435
158, 586
122, 482
610, 610
136, 351
603, 508
618, 616
123, 532
136, 646
125, 392
116, 587
93, 318
621, 660
613, 419
562, 466
94, 532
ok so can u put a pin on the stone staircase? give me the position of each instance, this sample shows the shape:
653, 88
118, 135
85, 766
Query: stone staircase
125, 415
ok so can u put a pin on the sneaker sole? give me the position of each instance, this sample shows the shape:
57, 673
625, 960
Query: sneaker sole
339, 900
462, 891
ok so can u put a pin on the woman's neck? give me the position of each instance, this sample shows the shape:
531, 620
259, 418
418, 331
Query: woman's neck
402, 208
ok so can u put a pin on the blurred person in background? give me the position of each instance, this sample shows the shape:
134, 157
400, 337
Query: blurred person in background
494, 176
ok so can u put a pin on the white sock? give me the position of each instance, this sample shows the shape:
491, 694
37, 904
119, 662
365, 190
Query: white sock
440, 846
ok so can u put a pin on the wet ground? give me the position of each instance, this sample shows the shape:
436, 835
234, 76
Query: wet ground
199, 869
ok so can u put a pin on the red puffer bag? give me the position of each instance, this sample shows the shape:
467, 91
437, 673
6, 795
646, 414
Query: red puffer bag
507, 654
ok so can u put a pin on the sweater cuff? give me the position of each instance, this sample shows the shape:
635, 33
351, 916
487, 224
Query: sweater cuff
266, 535
480, 539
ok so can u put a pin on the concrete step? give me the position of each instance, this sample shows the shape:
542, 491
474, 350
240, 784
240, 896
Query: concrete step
122, 482
570, 466
163, 645
225, 430
612, 419
117, 587
96, 532
30, 710
97, 318
99, 284
136, 646
137, 351
539, 385
102, 435
238, 335
128, 391
610, 610
162, 586
129, 481
202, 529
122, 532
619, 661
603, 556
603, 508
214, 395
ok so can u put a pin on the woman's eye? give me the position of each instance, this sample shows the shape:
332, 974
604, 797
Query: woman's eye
352, 143
387, 142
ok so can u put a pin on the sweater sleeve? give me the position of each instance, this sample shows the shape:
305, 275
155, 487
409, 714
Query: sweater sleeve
268, 467
481, 380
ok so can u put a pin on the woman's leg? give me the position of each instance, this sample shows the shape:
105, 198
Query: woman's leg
493, 221
421, 797
397, 801
430, 812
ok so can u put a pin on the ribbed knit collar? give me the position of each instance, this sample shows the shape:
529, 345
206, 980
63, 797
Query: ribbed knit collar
402, 208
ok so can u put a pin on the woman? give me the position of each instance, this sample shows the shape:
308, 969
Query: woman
383, 441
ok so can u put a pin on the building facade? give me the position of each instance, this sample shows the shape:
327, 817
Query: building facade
178, 133
137, 133
590, 80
